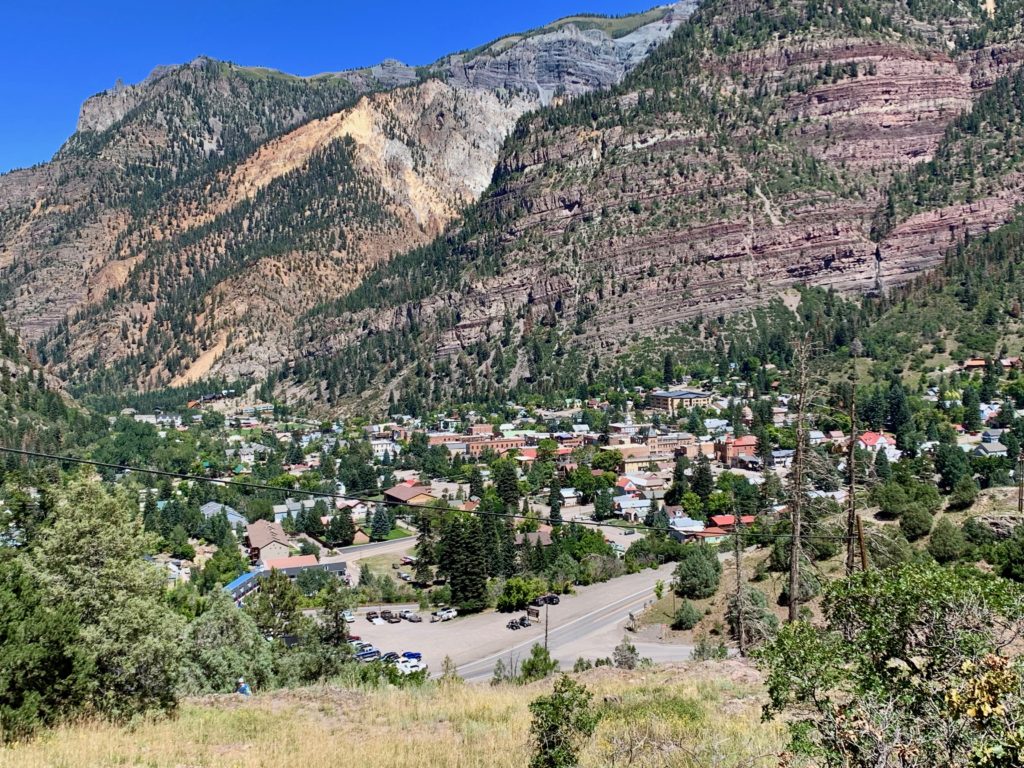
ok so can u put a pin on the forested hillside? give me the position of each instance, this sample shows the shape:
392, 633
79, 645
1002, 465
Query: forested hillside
193, 216
750, 154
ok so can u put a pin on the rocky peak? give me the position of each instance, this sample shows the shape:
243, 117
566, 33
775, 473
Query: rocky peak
571, 58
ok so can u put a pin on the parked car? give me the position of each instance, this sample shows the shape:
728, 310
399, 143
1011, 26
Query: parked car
390, 657
448, 613
409, 615
371, 615
348, 616
406, 560
404, 576
415, 655
408, 666
366, 656
386, 615
629, 532
552, 599
539, 601
394, 618
524, 621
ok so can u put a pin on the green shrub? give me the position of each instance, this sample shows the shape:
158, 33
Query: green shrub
915, 522
687, 616
697, 574
947, 543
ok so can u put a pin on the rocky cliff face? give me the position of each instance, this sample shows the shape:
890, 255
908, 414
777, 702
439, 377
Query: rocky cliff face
570, 60
149, 244
741, 159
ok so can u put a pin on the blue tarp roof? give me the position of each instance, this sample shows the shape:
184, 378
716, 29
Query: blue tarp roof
245, 577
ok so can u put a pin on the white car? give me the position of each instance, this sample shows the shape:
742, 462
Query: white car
408, 666
348, 616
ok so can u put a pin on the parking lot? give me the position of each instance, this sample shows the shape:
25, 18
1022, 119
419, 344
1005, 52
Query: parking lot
599, 610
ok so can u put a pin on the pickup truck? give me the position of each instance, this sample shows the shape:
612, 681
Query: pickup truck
371, 615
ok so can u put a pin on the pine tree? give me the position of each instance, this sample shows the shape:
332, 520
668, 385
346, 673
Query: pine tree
555, 501
506, 480
341, 531
703, 482
680, 483
381, 526
476, 482
150, 514
602, 504
466, 565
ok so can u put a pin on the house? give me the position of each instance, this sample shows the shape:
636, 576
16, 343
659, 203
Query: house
783, 457
728, 522
292, 567
243, 586
409, 492
213, 508
382, 447
991, 435
682, 528
674, 401
990, 450
631, 508
711, 535
875, 441
531, 538
816, 437
291, 508
570, 497
266, 541
651, 486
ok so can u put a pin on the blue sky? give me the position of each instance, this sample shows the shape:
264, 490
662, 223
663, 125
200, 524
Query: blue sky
55, 53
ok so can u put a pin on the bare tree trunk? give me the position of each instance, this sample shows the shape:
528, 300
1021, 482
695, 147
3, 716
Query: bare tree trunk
851, 489
797, 484
852, 521
740, 601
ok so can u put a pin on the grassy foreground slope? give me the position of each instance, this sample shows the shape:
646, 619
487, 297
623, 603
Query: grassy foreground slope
679, 715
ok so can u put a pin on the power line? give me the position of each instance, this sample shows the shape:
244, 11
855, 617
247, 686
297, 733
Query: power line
346, 497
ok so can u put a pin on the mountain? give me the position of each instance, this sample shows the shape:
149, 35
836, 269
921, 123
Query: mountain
192, 217
767, 145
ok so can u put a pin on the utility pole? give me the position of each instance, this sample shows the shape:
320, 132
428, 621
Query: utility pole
796, 496
546, 606
863, 546
851, 515
740, 606
1020, 483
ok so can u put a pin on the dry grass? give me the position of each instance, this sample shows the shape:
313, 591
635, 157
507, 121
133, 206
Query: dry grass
692, 715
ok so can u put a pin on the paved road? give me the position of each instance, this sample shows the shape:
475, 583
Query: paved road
593, 634
590, 624
352, 555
